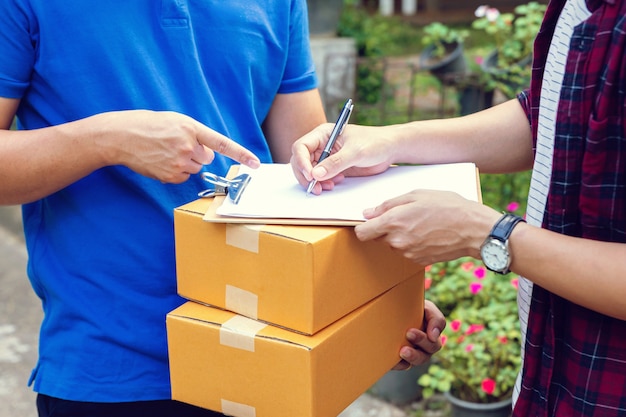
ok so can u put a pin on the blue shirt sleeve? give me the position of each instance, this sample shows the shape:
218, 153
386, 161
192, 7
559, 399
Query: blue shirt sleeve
17, 48
300, 69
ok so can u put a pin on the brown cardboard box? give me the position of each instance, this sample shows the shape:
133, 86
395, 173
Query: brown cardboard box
299, 277
253, 369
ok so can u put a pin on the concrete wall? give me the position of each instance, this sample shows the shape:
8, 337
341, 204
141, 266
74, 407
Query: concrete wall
335, 62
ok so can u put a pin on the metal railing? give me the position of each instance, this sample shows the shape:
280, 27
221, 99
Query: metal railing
397, 89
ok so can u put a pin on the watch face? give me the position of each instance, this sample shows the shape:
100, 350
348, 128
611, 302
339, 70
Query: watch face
495, 255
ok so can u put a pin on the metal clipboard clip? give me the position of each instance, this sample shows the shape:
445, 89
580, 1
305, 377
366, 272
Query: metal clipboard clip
223, 186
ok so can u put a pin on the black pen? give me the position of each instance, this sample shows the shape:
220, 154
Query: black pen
342, 121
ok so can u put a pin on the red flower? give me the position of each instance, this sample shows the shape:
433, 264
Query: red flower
515, 282
513, 205
467, 266
474, 328
475, 287
427, 283
488, 385
480, 272
455, 325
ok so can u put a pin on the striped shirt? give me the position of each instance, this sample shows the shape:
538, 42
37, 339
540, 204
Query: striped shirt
575, 358
574, 13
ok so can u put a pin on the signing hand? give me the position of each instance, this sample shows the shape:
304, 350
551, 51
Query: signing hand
358, 151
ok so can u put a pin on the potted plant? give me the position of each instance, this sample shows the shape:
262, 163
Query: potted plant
443, 49
508, 65
481, 353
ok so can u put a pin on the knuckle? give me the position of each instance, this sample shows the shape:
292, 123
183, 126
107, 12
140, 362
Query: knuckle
222, 146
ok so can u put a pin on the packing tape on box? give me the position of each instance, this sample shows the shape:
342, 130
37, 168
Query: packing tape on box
239, 332
244, 236
242, 302
231, 408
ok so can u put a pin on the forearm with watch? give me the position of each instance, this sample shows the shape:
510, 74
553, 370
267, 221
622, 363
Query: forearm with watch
495, 249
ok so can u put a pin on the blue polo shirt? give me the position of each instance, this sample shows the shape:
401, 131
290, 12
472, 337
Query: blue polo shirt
101, 251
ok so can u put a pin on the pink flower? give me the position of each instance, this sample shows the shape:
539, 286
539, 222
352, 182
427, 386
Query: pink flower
515, 283
469, 347
474, 328
427, 283
503, 339
428, 268
514, 205
488, 385
475, 287
480, 272
455, 325
444, 339
479, 60
492, 14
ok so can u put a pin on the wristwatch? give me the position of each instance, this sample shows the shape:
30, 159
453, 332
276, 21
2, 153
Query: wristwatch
495, 249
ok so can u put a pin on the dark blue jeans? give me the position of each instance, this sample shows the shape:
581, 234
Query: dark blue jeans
55, 407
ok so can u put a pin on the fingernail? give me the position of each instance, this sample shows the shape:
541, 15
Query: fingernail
411, 336
405, 353
436, 333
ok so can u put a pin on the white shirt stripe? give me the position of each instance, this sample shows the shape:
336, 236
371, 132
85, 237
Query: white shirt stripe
574, 13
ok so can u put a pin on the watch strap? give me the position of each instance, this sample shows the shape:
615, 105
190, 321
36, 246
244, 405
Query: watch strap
504, 227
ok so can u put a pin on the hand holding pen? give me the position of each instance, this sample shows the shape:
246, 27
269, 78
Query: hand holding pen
342, 121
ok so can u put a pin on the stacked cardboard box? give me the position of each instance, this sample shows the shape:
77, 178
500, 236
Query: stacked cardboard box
285, 320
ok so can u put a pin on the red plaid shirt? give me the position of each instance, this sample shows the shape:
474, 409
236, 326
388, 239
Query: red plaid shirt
575, 363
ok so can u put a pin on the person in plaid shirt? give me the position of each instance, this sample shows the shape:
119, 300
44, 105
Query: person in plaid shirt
569, 127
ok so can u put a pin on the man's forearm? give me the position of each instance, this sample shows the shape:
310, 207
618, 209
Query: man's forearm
497, 140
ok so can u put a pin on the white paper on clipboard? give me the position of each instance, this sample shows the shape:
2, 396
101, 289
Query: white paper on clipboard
274, 193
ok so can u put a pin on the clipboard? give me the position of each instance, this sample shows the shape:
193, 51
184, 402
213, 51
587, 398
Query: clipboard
212, 216
467, 184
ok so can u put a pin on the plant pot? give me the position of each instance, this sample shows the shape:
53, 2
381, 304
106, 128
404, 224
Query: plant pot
509, 80
453, 62
490, 63
400, 387
474, 98
461, 408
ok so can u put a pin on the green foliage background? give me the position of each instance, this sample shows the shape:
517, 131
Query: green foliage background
379, 36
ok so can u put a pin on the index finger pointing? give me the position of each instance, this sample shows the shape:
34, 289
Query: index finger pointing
227, 147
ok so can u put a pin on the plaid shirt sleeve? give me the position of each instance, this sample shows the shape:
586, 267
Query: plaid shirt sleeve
575, 363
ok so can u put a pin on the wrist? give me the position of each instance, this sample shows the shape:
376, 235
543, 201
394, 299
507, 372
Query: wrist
106, 144
402, 139
495, 250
